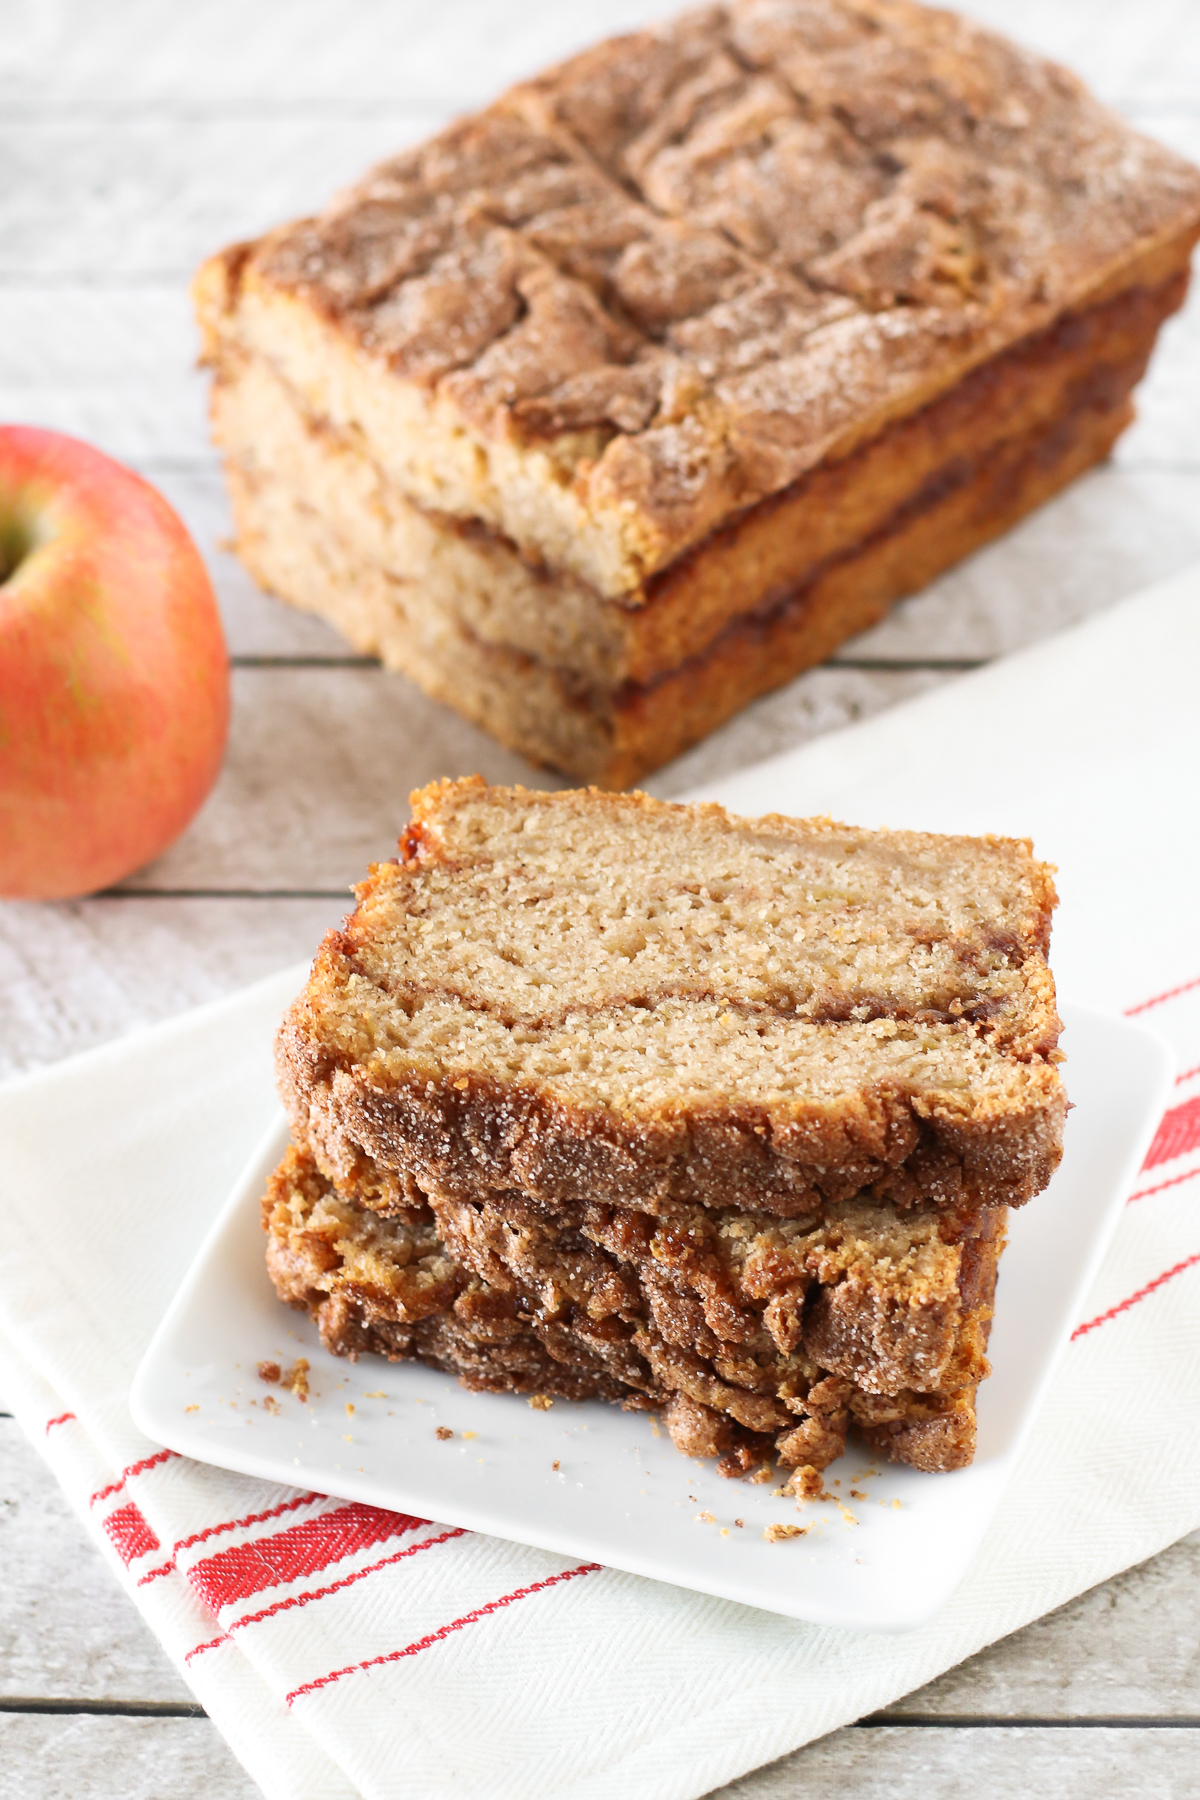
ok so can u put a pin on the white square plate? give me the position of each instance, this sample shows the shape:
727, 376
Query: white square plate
594, 1482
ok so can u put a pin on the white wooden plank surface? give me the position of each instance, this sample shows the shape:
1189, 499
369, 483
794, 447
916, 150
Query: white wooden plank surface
135, 200
905, 1763
78, 972
66, 1629
135, 137
77, 1757
72, 54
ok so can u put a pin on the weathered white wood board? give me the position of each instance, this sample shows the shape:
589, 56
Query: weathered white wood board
67, 1632
72, 54
896, 1762
77, 1757
137, 136
77, 972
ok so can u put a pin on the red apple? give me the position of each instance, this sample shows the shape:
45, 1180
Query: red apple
114, 678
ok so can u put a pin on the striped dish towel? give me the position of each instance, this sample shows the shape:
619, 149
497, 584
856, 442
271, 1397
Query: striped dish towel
344, 1650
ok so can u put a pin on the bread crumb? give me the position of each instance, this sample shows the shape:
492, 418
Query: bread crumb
271, 1404
540, 1402
269, 1371
443, 1432
470, 1434
766, 1473
375, 1394
724, 1531
297, 1378
708, 1518
195, 1407
346, 1439
555, 1463
896, 1504
857, 1494
806, 1484
349, 1409
774, 1534
740, 1523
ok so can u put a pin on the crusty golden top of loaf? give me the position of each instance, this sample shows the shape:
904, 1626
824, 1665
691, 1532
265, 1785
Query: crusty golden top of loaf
684, 266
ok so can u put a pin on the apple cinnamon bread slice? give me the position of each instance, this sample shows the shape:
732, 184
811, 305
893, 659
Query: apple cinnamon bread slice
585, 995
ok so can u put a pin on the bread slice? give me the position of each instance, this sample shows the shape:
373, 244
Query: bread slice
580, 994
756, 1337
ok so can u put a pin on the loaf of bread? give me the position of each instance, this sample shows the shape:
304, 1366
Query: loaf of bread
621, 401
597, 1095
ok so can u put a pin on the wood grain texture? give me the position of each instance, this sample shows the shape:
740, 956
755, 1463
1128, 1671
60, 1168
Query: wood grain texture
66, 1629
74, 973
898, 1762
77, 1757
132, 142
152, 53
1129, 1649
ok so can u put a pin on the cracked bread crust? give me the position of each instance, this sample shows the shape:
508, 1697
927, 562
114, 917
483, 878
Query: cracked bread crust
662, 281
577, 993
754, 1338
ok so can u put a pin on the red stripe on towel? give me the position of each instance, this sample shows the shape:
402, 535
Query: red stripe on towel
1178, 1132
334, 1587
155, 1574
61, 1420
1132, 1299
274, 1512
131, 1536
1185, 987
443, 1631
137, 1468
303, 1549
1174, 1181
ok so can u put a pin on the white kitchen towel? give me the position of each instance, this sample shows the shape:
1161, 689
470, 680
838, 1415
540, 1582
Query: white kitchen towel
344, 1650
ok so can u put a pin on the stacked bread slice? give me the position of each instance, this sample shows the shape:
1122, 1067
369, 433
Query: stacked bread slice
594, 1095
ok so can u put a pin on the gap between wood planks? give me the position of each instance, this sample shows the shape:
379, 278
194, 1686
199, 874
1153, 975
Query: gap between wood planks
190, 1709
981, 1722
121, 1709
949, 665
